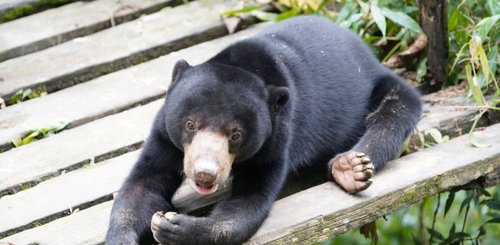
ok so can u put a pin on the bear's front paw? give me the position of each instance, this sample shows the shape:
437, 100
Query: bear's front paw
173, 228
352, 171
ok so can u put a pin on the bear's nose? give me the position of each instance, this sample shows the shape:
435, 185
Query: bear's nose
205, 178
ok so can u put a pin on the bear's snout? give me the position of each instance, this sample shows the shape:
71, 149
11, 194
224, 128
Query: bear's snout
205, 178
207, 161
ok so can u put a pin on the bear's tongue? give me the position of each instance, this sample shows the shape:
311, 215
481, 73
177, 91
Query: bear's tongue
202, 188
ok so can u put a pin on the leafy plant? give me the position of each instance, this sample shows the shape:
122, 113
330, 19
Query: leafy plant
378, 22
474, 42
40, 133
23, 95
462, 217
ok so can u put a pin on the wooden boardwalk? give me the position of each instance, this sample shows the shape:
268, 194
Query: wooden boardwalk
106, 65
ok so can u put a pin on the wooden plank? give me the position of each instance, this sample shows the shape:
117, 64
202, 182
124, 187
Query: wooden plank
71, 149
79, 189
452, 113
85, 227
403, 182
101, 53
105, 95
32, 33
76, 189
292, 221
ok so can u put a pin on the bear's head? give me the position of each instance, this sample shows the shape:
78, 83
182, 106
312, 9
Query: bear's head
218, 115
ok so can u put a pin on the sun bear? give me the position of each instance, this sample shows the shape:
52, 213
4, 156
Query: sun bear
301, 92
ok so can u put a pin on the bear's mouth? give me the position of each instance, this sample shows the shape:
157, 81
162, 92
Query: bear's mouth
203, 188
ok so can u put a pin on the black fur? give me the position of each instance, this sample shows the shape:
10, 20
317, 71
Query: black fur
303, 90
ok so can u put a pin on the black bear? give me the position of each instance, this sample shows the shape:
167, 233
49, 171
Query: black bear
302, 92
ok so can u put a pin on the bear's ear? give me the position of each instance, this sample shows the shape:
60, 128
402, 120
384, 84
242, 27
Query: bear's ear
179, 68
278, 97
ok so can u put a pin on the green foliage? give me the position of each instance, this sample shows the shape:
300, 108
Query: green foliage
29, 9
376, 21
23, 95
40, 133
474, 49
469, 217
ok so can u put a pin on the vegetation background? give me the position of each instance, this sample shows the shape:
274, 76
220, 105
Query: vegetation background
391, 28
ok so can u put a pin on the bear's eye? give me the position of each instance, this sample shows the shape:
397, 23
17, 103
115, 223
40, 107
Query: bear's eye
236, 136
190, 125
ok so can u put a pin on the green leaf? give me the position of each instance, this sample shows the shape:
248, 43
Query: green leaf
435, 233
288, 14
421, 69
453, 20
344, 13
416, 241
26, 93
474, 88
402, 19
352, 19
484, 26
264, 16
246, 9
493, 7
495, 220
435, 134
482, 231
492, 58
378, 17
465, 203
449, 201
472, 141
492, 203
452, 229
484, 63
17, 142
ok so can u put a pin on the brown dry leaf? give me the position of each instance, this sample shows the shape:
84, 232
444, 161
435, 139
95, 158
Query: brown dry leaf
401, 59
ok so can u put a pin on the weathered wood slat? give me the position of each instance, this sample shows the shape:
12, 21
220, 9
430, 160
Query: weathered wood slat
403, 182
105, 95
125, 45
51, 198
293, 221
447, 111
72, 148
55, 26
90, 221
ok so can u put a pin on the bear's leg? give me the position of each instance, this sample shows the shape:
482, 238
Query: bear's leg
148, 189
395, 111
